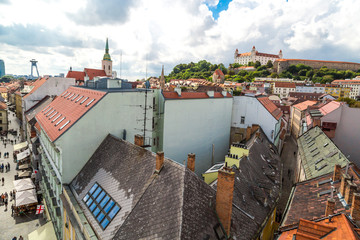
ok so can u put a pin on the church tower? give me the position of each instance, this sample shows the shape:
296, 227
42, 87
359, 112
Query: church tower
106, 63
162, 79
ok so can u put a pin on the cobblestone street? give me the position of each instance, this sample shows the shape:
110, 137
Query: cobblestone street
13, 226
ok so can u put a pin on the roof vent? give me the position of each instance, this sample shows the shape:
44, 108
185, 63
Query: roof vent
45, 108
64, 125
59, 121
71, 96
53, 115
67, 95
74, 97
64, 93
90, 102
56, 118
79, 99
84, 100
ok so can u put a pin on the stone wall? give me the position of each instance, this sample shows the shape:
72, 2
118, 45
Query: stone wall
283, 64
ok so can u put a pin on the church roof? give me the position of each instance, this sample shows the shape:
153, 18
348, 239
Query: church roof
107, 55
91, 73
78, 75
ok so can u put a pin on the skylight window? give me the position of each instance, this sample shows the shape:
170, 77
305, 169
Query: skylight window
64, 125
59, 121
74, 97
79, 99
53, 115
47, 111
90, 102
56, 118
71, 96
84, 100
45, 108
50, 112
67, 95
64, 93
101, 205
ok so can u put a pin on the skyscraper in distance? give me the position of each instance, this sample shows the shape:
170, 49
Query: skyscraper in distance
2, 68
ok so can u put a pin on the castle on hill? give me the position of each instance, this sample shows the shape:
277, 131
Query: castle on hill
254, 55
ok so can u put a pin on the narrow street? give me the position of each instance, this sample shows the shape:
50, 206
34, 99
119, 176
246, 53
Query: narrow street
288, 158
13, 226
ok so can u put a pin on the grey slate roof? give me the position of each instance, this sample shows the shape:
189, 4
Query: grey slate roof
175, 204
257, 187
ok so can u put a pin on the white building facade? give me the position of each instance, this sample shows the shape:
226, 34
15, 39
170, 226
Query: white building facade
254, 55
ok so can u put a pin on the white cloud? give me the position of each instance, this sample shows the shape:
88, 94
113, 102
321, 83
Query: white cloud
173, 31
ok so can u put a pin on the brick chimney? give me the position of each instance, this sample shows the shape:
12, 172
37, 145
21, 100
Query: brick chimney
139, 140
349, 192
337, 173
248, 133
191, 162
330, 206
355, 207
159, 161
224, 196
344, 179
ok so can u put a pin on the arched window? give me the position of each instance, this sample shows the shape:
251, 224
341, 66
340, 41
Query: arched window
109, 67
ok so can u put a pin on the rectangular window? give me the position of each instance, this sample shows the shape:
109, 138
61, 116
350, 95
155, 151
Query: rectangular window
101, 205
242, 121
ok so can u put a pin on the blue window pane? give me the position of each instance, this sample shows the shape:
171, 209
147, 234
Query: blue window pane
100, 217
92, 207
104, 201
105, 223
100, 197
96, 193
114, 211
93, 188
109, 206
86, 197
96, 211
89, 202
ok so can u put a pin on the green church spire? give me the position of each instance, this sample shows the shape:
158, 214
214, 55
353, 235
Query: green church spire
107, 55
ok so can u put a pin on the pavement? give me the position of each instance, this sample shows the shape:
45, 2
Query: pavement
288, 159
13, 226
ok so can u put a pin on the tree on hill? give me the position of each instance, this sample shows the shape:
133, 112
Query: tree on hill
351, 102
269, 64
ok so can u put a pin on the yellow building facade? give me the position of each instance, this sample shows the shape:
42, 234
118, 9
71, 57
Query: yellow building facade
3, 117
338, 91
18, 105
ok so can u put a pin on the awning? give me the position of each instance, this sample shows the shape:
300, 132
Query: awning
24, 174
23, 184
24, 166
44, 232
25, 197
20, 146
23, 154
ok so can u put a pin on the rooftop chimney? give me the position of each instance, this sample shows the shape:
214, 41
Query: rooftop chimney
330, 206
139, 140
224, 196
248, 133
355, 207
337, 173
159, 161
344, 179
350, 190
191, 162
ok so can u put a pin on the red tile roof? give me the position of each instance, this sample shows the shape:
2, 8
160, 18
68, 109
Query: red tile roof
66, 109
338, 228
3, 90
91, 73
271, 107
192, 95
331, 106
79, 76
36, 85
219, 72
285, 84
303, 105
353, 81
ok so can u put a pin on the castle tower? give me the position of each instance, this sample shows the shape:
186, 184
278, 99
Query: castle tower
106, 63
162, 79
280, 54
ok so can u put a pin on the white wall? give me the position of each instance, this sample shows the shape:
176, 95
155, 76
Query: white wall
255, 113
193, 125
114, 113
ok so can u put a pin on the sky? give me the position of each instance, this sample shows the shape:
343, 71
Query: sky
149, 34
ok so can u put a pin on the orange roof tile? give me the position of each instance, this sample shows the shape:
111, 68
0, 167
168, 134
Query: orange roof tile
285, 84
307, 60
338, 228
66, 109
36, 85
76, 74
303, 105
329, 107
219, 72
271, 107
353, 81
91, 73
192, 95
3, 90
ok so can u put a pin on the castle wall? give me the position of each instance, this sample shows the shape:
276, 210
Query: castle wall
282, 65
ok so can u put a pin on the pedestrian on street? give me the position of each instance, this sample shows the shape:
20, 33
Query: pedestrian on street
12, 210
8, 164
21, 238
15, 141
3, 180
2, 198
14, 238
6, 203
6, 170
11, 195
